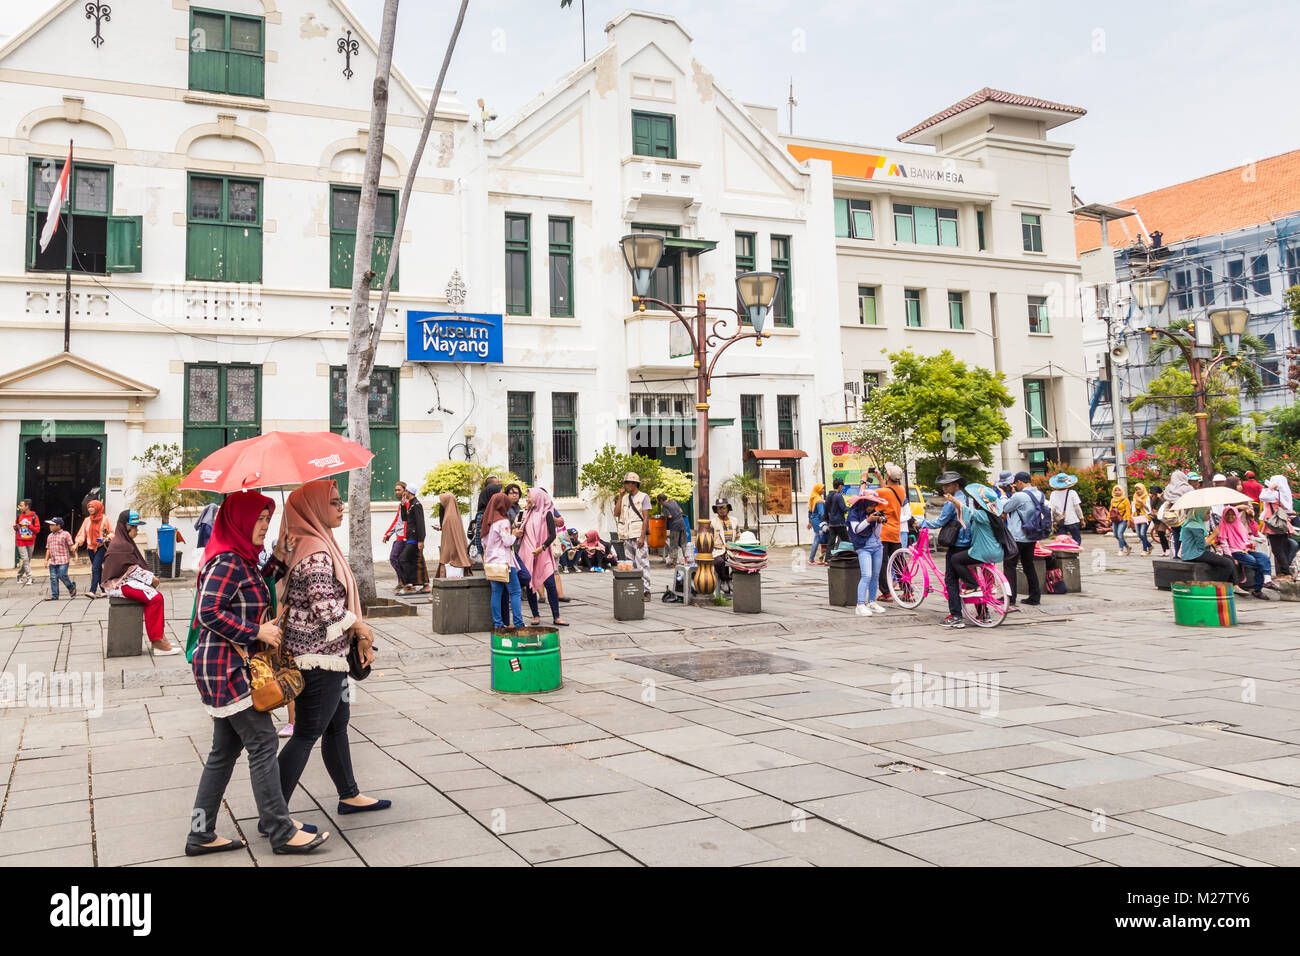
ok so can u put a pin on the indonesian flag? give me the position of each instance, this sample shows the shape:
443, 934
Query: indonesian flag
56, 202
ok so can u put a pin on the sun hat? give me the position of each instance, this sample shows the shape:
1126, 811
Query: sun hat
1062, 480
721, 503
983, 493
1040, 550
948, 478
866, 494
747, 538
1193, 476
632, 476
1005, 478
1219, 477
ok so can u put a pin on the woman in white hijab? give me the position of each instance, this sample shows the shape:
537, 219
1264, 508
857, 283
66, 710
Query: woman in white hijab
1177, 487
1279, 484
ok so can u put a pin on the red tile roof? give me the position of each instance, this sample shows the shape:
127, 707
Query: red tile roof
990, 95
1220, 202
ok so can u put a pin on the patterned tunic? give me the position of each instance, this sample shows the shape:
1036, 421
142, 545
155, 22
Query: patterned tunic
233, 598
316, 629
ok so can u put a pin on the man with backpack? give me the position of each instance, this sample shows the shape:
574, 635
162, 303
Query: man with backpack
1029, 519
837, 516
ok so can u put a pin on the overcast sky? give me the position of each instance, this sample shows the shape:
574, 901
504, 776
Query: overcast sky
1173, 90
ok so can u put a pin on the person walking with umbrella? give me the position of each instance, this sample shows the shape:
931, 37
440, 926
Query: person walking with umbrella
234, 599
323, 617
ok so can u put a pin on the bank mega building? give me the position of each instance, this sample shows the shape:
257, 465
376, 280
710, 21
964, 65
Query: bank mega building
214, 202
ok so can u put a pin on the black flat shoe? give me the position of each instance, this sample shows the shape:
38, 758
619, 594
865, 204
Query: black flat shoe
319, 841
305, 828
198, 849
560, 623
377, 805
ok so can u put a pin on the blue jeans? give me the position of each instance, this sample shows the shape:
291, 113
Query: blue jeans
869, 566
1256, 562
1119, 533
1141, 530
96, 563
59, 572
817, 542
516, 604
1074, 531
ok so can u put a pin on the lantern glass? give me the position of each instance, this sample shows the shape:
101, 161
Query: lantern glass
1150, 292
756, 291
641, 253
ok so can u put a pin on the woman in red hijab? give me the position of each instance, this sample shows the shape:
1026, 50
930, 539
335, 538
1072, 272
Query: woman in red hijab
234, 601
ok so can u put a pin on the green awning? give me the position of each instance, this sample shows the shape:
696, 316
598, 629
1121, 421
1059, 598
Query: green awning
670, 422
692, 247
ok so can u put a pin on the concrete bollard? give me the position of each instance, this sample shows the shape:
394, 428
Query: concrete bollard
460, 605
747, 592
125, 627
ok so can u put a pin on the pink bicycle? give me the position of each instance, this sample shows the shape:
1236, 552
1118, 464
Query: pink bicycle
913, 575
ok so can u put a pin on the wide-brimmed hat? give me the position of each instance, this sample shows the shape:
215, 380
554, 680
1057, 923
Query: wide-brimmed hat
632, 476
1063, 480
866, 494
1005, 478
982, 493
721, 503
948, 478
747, 538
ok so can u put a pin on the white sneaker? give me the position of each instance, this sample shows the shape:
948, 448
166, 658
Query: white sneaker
862, 611
876, 608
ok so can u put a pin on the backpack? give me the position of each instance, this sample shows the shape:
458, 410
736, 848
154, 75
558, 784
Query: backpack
1055, 582
1039, 524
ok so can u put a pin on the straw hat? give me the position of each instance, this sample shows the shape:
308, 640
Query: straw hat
1063, 480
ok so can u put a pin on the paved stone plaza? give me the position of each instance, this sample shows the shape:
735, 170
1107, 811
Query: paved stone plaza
1108, 746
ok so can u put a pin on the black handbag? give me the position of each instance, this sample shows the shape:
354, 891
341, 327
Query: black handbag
355, 668
948, 534
1010, 548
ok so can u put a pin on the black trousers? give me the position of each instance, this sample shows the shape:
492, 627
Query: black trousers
1025, 557
889, 547
1225, 568
1284, 549
409, 562
836, 534
956, 571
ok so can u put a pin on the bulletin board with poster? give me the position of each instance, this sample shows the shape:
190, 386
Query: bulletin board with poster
778, 495
842, 459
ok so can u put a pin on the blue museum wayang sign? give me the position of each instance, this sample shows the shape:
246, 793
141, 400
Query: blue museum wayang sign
453, 337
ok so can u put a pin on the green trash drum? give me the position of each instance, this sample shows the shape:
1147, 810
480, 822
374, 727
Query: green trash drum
525, 660
1204, 604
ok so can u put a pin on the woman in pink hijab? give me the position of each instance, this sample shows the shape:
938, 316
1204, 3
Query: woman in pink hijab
535, 557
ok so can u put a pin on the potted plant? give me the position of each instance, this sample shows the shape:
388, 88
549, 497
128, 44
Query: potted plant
158, 492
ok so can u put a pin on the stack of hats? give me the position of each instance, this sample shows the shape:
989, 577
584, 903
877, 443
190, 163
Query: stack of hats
1061, 543
843, 553
746, 554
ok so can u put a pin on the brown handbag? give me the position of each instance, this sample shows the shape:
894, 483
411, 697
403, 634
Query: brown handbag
273, 674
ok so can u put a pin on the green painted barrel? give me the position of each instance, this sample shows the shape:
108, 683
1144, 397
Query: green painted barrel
1204, 604
525, 660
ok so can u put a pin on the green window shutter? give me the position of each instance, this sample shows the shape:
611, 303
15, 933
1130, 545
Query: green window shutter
665, 138
841, 218
382, 249
243, 254
386, 466
205, 252
124, 243
642, 135
342, 247
246, 75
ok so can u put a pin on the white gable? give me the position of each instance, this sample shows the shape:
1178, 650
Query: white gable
556, 148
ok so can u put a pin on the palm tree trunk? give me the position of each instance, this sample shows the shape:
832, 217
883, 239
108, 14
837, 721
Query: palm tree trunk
363, 333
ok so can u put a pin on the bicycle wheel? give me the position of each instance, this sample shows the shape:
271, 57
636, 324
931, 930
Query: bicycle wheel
989, 607
906, 578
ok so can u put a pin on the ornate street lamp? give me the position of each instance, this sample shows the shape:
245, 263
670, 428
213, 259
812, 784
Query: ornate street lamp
756, 291
1230, 324
1150, 292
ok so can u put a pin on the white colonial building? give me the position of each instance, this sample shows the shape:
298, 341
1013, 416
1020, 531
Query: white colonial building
217, 160
970, 248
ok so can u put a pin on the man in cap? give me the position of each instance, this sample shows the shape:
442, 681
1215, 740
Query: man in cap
837, 511
1019, 509
957, 506
1251, 488
58, 552
631, 509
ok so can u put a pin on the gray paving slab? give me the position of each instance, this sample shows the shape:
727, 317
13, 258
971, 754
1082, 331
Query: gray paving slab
886, 812
821, 844
1091, 771
1064, 828
695, 843
629, 810
1133, 850
803, 782
1238, 813
555, 843
986, 844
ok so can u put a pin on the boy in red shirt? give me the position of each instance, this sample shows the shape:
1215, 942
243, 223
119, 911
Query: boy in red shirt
25, 527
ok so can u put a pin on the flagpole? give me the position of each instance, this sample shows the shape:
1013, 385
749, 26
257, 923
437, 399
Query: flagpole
67, 276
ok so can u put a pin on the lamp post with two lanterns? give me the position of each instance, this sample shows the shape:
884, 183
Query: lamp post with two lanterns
756, 292
1198, 350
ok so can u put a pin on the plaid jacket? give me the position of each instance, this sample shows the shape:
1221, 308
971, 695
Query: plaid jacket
58, 546
233, 597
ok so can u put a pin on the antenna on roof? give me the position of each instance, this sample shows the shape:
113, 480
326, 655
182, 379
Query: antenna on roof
792, 103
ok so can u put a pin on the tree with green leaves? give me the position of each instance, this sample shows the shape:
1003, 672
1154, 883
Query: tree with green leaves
158, 489
602, 477
882, 435
1174, 438
953, 413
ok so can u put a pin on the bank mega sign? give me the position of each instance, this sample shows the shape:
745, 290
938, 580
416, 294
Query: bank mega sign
472, 337
898, 166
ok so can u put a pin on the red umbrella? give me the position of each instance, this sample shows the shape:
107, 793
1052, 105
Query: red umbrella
276, 458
